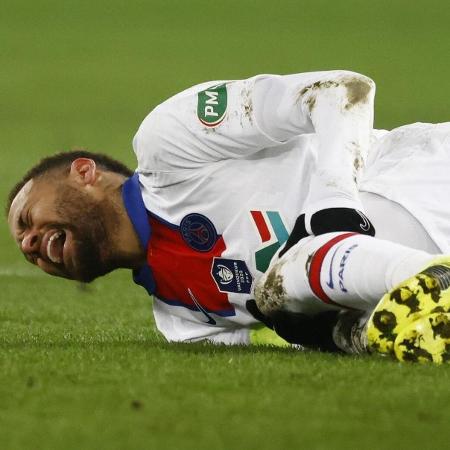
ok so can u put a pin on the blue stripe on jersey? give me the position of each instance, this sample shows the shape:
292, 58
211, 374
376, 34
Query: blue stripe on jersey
132, 199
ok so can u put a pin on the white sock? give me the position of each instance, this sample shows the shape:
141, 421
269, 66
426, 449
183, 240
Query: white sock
345, 270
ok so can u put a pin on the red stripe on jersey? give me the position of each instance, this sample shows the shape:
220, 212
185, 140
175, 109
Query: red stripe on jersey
315, 269
181, 272
261, 225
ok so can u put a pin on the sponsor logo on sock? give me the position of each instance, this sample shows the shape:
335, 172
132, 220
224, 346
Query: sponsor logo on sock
330, 283
342, 267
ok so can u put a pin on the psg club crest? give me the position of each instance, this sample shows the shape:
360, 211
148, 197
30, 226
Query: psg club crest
198, 232
232, 275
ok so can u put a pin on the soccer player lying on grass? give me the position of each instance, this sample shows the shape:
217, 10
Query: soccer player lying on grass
227, 172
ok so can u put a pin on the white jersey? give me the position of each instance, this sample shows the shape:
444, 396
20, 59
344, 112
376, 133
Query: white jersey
224, 169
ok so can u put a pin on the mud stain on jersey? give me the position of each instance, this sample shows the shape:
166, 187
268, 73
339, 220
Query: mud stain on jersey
358, 159
309, 93
357, 91
311, 102
358, 164
247, 105
270, 295
318, 85
209, 130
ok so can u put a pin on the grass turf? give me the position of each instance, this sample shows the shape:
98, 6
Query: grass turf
84, 368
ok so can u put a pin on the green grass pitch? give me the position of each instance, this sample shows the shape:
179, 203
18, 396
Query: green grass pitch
84, 368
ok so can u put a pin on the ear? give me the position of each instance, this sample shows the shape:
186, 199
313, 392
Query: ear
84, 171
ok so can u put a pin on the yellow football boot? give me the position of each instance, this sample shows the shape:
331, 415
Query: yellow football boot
426, 339
412, 321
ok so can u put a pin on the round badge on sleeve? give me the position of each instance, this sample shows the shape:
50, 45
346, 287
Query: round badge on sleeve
198, 232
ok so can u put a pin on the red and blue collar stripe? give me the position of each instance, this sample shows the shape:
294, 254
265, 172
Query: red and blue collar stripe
135, 207
183, 258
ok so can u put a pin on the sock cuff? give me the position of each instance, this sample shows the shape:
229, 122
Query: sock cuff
315, 268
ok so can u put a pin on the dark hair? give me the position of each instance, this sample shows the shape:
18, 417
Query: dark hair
63, 160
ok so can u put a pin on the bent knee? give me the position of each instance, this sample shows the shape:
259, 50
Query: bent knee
270, 293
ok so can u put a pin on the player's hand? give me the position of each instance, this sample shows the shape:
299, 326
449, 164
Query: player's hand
328, 221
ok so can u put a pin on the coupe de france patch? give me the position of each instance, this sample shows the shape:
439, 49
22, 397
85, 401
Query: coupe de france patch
198, 232
212, 105
232, 275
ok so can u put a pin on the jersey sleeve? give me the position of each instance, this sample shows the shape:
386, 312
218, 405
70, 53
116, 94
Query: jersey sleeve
234, 119
338, 107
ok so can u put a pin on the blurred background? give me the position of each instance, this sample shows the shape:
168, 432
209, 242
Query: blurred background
81, 366
85, 73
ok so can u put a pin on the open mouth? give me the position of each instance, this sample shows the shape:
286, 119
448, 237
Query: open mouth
55, 246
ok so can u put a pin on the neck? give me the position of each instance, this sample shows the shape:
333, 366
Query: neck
127, 251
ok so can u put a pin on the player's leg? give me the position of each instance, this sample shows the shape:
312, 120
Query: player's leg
352, 272
394, 223
411, 321
336, 271
400, 169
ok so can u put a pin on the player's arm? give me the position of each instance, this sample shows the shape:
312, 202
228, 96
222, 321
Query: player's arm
337, 107
234, 119
221, 120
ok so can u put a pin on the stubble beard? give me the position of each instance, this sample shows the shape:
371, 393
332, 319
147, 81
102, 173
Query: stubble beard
92, 224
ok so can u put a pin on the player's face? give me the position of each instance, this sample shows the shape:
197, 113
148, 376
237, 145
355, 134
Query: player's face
62, 229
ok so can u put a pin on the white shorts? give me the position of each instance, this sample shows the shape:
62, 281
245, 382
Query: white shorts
411, 166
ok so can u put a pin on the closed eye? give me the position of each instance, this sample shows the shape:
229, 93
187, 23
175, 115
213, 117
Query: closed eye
21, 223
24, 220
21, 227
28, 220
